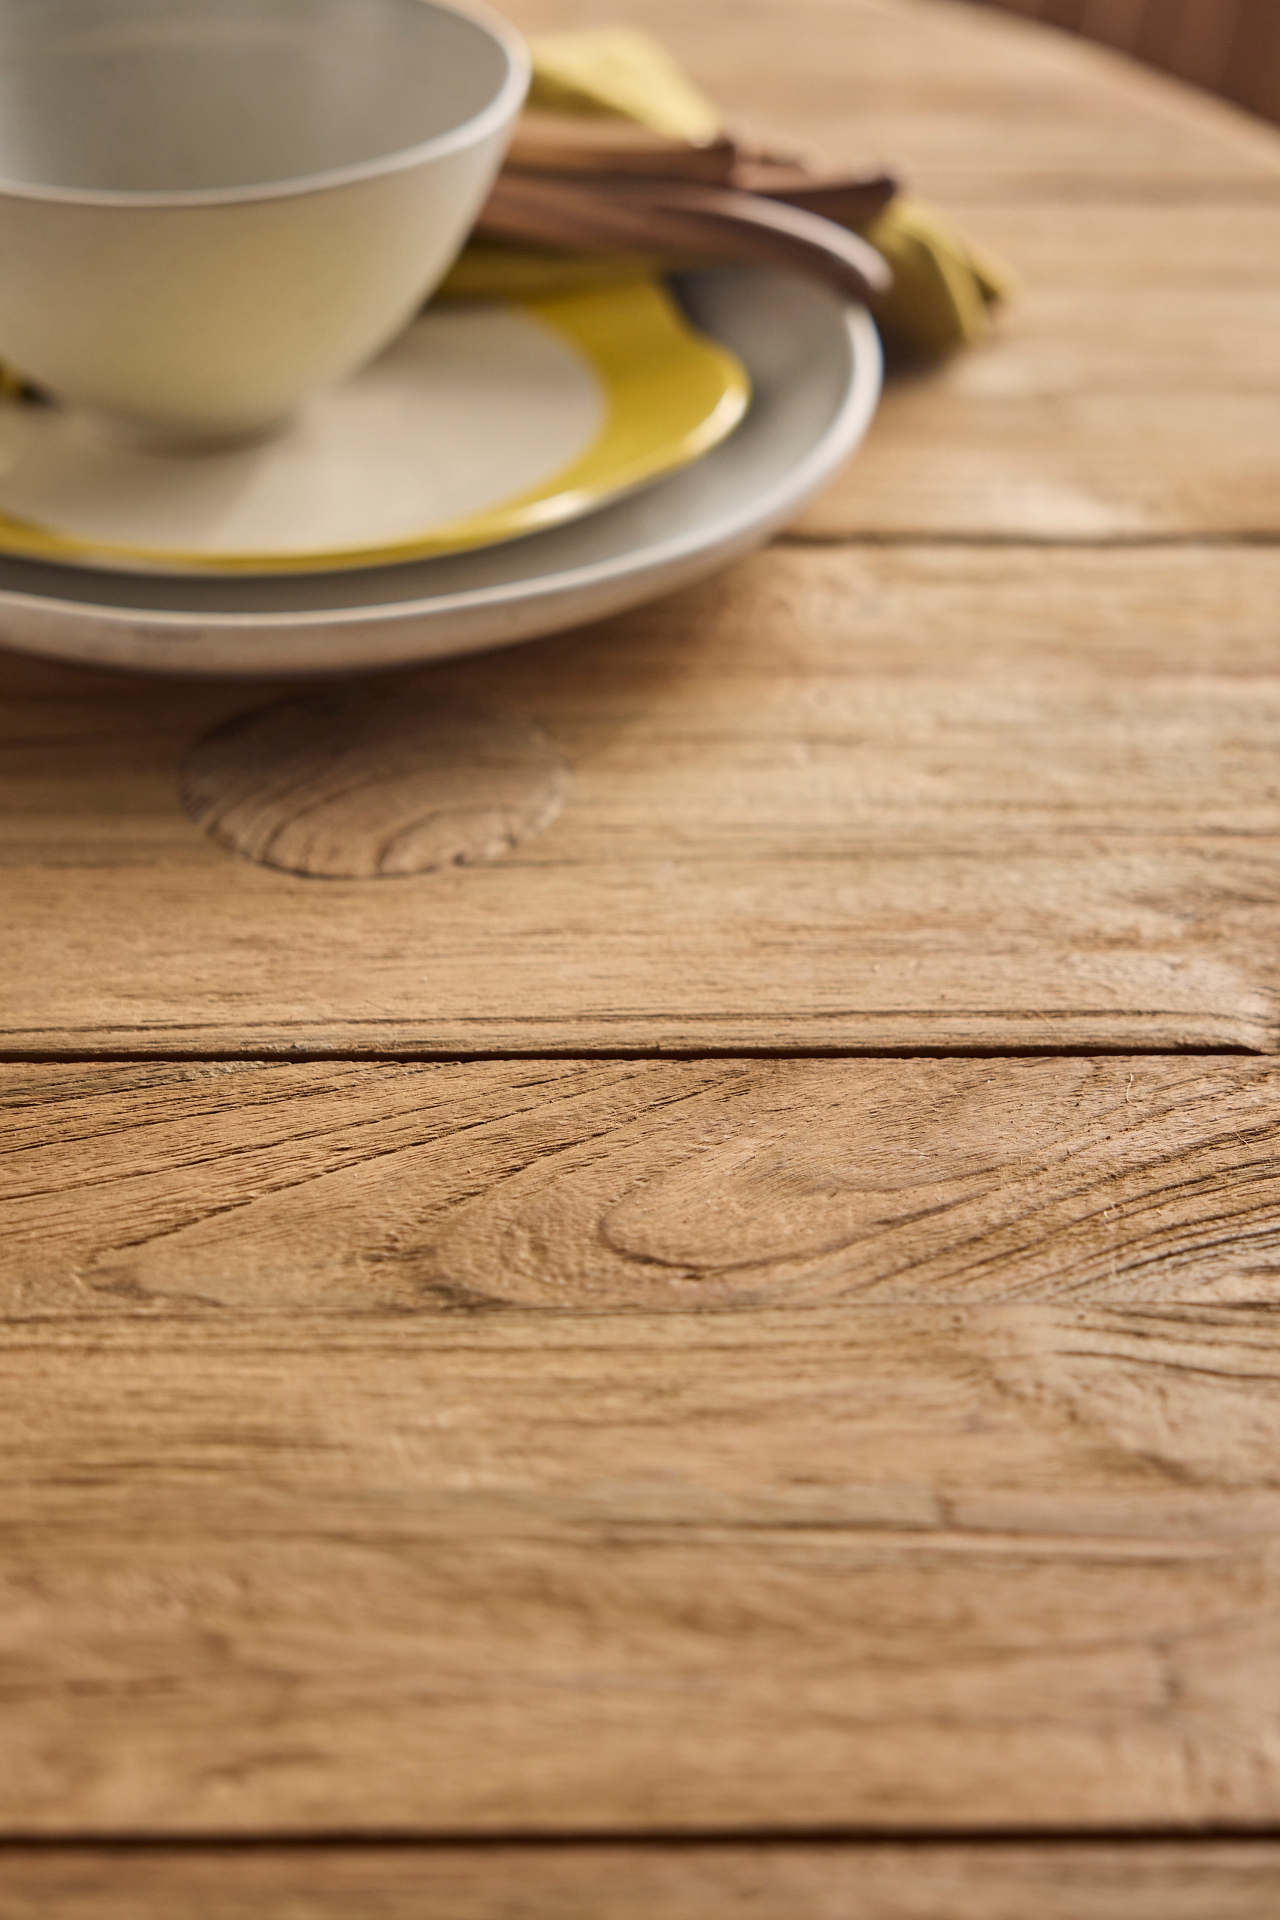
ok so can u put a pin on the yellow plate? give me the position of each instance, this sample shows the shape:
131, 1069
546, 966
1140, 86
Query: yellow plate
480, 424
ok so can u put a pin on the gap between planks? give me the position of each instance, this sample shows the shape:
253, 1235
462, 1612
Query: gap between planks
854, 1838
1146, 1880
1082, 543
690, 1056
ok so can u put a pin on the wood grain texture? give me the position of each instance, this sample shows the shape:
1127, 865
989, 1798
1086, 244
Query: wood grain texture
1130, 392
646, 1186
633, 1446
645, 1446
369, 783
1199, 1881
930, 799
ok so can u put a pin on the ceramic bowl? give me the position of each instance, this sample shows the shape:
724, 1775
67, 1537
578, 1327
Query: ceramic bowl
209, 212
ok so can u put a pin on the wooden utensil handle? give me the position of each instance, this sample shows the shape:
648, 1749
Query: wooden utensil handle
845, 197
566, 144
563, 144
667, 217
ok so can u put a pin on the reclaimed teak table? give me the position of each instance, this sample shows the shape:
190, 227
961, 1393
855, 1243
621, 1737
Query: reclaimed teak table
726, 1360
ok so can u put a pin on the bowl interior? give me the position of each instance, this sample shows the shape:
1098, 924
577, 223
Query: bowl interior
185, 96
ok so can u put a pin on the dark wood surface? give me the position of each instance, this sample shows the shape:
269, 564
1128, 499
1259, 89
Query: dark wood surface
1231, 47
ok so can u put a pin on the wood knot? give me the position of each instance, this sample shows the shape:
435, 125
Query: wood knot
365, 782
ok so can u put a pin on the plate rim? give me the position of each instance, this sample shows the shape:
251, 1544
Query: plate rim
587, 320
169, 639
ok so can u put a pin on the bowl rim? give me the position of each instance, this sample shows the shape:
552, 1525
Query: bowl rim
502, 108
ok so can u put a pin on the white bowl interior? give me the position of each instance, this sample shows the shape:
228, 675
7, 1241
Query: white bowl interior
192, 96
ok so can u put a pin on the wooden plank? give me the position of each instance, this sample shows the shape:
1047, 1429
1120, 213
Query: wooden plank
640, 1447
1206, 1880
932, 798
189, 1188
1132, 390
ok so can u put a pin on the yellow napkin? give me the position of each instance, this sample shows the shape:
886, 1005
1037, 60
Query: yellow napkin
943, 288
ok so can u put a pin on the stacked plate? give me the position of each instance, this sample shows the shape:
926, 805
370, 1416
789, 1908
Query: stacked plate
502, 472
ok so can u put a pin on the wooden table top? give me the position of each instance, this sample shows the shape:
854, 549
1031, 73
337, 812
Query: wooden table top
723, 1360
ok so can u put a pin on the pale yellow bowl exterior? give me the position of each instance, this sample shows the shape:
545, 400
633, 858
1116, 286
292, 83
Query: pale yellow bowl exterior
214, 316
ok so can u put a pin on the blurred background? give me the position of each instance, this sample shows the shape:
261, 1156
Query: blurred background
1232, 47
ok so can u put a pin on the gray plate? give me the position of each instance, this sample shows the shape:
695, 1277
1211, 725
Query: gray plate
815, 369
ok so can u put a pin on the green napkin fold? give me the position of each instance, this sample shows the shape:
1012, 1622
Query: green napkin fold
943, 290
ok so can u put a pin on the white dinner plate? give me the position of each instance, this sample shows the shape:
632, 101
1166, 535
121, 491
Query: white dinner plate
481, 423
814, 365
